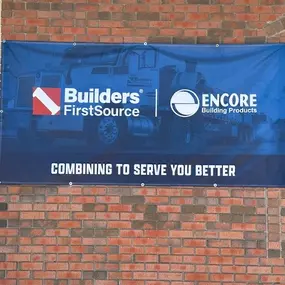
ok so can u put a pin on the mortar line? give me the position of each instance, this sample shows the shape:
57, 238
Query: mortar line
266, 220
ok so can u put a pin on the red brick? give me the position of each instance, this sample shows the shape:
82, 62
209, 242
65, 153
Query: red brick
32, 215
58, 199
94, 190
18, 274
131, 216
44, 241
144, 241
84, 216
69, 224
81, 266
246, 260
31, 266
68, 275
221, 260
20, 207
170, 276
108, 199
107, 216
57, 266
8, 232
232, 235
244, 227
119, 241
57, 249
233, 269
192, 226
33, 249
119, 257
93, 257
246, 277
71, 257
194, 243
222, 277
169, 209
45, 207
132, 267
146, 258
119, 208
158, 267
69, 190
9, 215
131, 233
194, 259
58, 215
30, 282
8, 266
207, 251
119, 225
205, 218
183, 250
196, 277
57, 232
44, 274
156, 200
145, 275
154, 233
18, 257
232, 251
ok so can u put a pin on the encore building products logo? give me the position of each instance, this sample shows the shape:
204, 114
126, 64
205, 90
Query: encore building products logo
184, 103
46, 101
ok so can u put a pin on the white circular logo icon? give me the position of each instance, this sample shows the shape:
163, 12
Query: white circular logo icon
184, 103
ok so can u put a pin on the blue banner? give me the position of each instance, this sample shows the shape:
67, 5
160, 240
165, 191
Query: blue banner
129, 114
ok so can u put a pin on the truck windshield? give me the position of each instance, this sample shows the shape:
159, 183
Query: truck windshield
25, 87
91, 55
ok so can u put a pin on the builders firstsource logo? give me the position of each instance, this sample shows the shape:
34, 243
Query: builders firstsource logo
93, 102
46, 101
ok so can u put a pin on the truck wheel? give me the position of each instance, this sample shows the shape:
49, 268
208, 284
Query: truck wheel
107, 132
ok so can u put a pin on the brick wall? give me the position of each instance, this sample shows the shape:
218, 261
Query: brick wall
142, 236
167, 21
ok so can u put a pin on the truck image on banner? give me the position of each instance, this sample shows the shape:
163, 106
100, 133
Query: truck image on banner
140, 113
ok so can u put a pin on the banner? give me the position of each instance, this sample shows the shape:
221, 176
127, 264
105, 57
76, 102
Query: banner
143, 114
